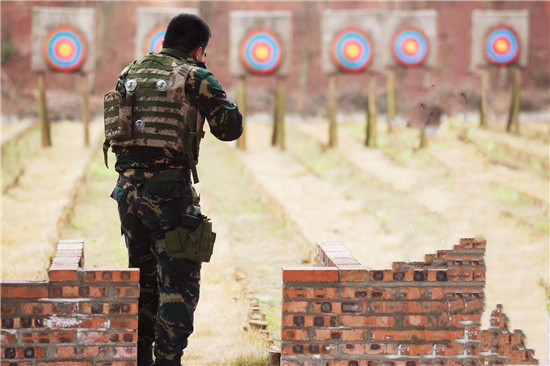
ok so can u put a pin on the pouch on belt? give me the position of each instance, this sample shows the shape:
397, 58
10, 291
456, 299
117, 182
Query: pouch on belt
189, 241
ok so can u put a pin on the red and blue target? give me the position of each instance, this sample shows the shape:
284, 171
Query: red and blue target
502, 46
261, 52
410, 47
65, 48
153, 42
352, 50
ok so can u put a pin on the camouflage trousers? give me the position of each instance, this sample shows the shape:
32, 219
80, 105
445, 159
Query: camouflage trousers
169, 287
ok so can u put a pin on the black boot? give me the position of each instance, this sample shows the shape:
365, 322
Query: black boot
176, 362
144, 354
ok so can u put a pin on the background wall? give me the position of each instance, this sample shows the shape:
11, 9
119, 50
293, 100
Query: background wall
307, 84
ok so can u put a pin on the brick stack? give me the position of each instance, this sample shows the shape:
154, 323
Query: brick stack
82, 317
413, 314
501, 347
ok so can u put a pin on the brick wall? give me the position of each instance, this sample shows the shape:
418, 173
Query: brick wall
416, 313
79, 317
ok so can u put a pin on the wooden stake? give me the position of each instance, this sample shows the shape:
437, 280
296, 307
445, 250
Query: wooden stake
85, 107
281, 108
371, 140
241, 103
332, 126
43, 112
513, 116
483, 120
390, 96
275, 132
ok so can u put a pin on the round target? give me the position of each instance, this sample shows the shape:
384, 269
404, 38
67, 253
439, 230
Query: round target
261, 52
153, 42
502, 45
65, 48
410, 47
352, 50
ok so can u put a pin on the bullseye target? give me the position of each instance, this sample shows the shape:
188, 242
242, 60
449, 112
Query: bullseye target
153, 42
261, 52
352, 50
410, 47
65, 48
502, 46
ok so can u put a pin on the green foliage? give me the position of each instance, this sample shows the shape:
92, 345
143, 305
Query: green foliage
8, 50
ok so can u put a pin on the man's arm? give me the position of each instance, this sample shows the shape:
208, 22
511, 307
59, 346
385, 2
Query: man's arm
206, 93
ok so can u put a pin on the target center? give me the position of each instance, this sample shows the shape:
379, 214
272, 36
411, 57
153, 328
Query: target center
64, 49
501, 46
261, 52
410, 47
352, 51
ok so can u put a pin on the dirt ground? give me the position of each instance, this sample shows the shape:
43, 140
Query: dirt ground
394, 203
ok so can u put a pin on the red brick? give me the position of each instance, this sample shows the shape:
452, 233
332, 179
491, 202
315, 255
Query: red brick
295, 306
125, 352
124, 323
36, 308
389, 307
22, 291
323, 307
315, 274
298, 293
8, 309
353, 335
294, 335
367, 321
63, 275
7, 338
90, 337
411, 293
354, 293
353, 274
115, 275
127, 292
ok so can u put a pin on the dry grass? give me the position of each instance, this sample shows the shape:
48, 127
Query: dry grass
33, 210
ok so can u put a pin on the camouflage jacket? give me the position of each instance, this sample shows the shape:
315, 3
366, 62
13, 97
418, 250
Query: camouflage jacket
205, 93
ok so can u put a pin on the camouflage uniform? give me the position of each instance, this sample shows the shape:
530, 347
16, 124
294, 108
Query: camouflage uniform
149, 207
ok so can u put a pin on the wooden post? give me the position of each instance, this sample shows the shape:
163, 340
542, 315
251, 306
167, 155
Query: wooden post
516, 100
43, 112
281, 109
371, 140
275, 132
241, 103
483, 119
85, 107
332, 127
390, 98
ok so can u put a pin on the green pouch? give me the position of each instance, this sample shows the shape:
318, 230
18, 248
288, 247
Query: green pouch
176, 241
194, 244
200, 245
117, 115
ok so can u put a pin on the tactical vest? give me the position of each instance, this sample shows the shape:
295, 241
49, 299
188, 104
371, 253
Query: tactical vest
150, 108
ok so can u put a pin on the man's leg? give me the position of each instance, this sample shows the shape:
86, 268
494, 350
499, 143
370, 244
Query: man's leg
179, 282
138, 242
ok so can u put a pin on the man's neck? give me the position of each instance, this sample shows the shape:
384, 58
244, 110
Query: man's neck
178, 54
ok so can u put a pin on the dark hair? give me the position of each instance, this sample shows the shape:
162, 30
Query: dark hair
187, 32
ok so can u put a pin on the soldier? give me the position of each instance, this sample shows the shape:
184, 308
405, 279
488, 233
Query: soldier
154, 123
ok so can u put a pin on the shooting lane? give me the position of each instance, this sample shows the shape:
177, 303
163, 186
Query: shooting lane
151, 27
260, 45
349, 47
499, 40
411, 41
63, 40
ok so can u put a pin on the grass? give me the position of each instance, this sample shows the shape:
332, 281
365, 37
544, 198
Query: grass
395, 211
16, 154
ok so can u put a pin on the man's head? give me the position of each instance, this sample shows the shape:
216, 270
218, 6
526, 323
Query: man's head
187, 32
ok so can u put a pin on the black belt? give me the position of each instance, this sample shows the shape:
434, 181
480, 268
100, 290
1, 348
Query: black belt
169, 175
